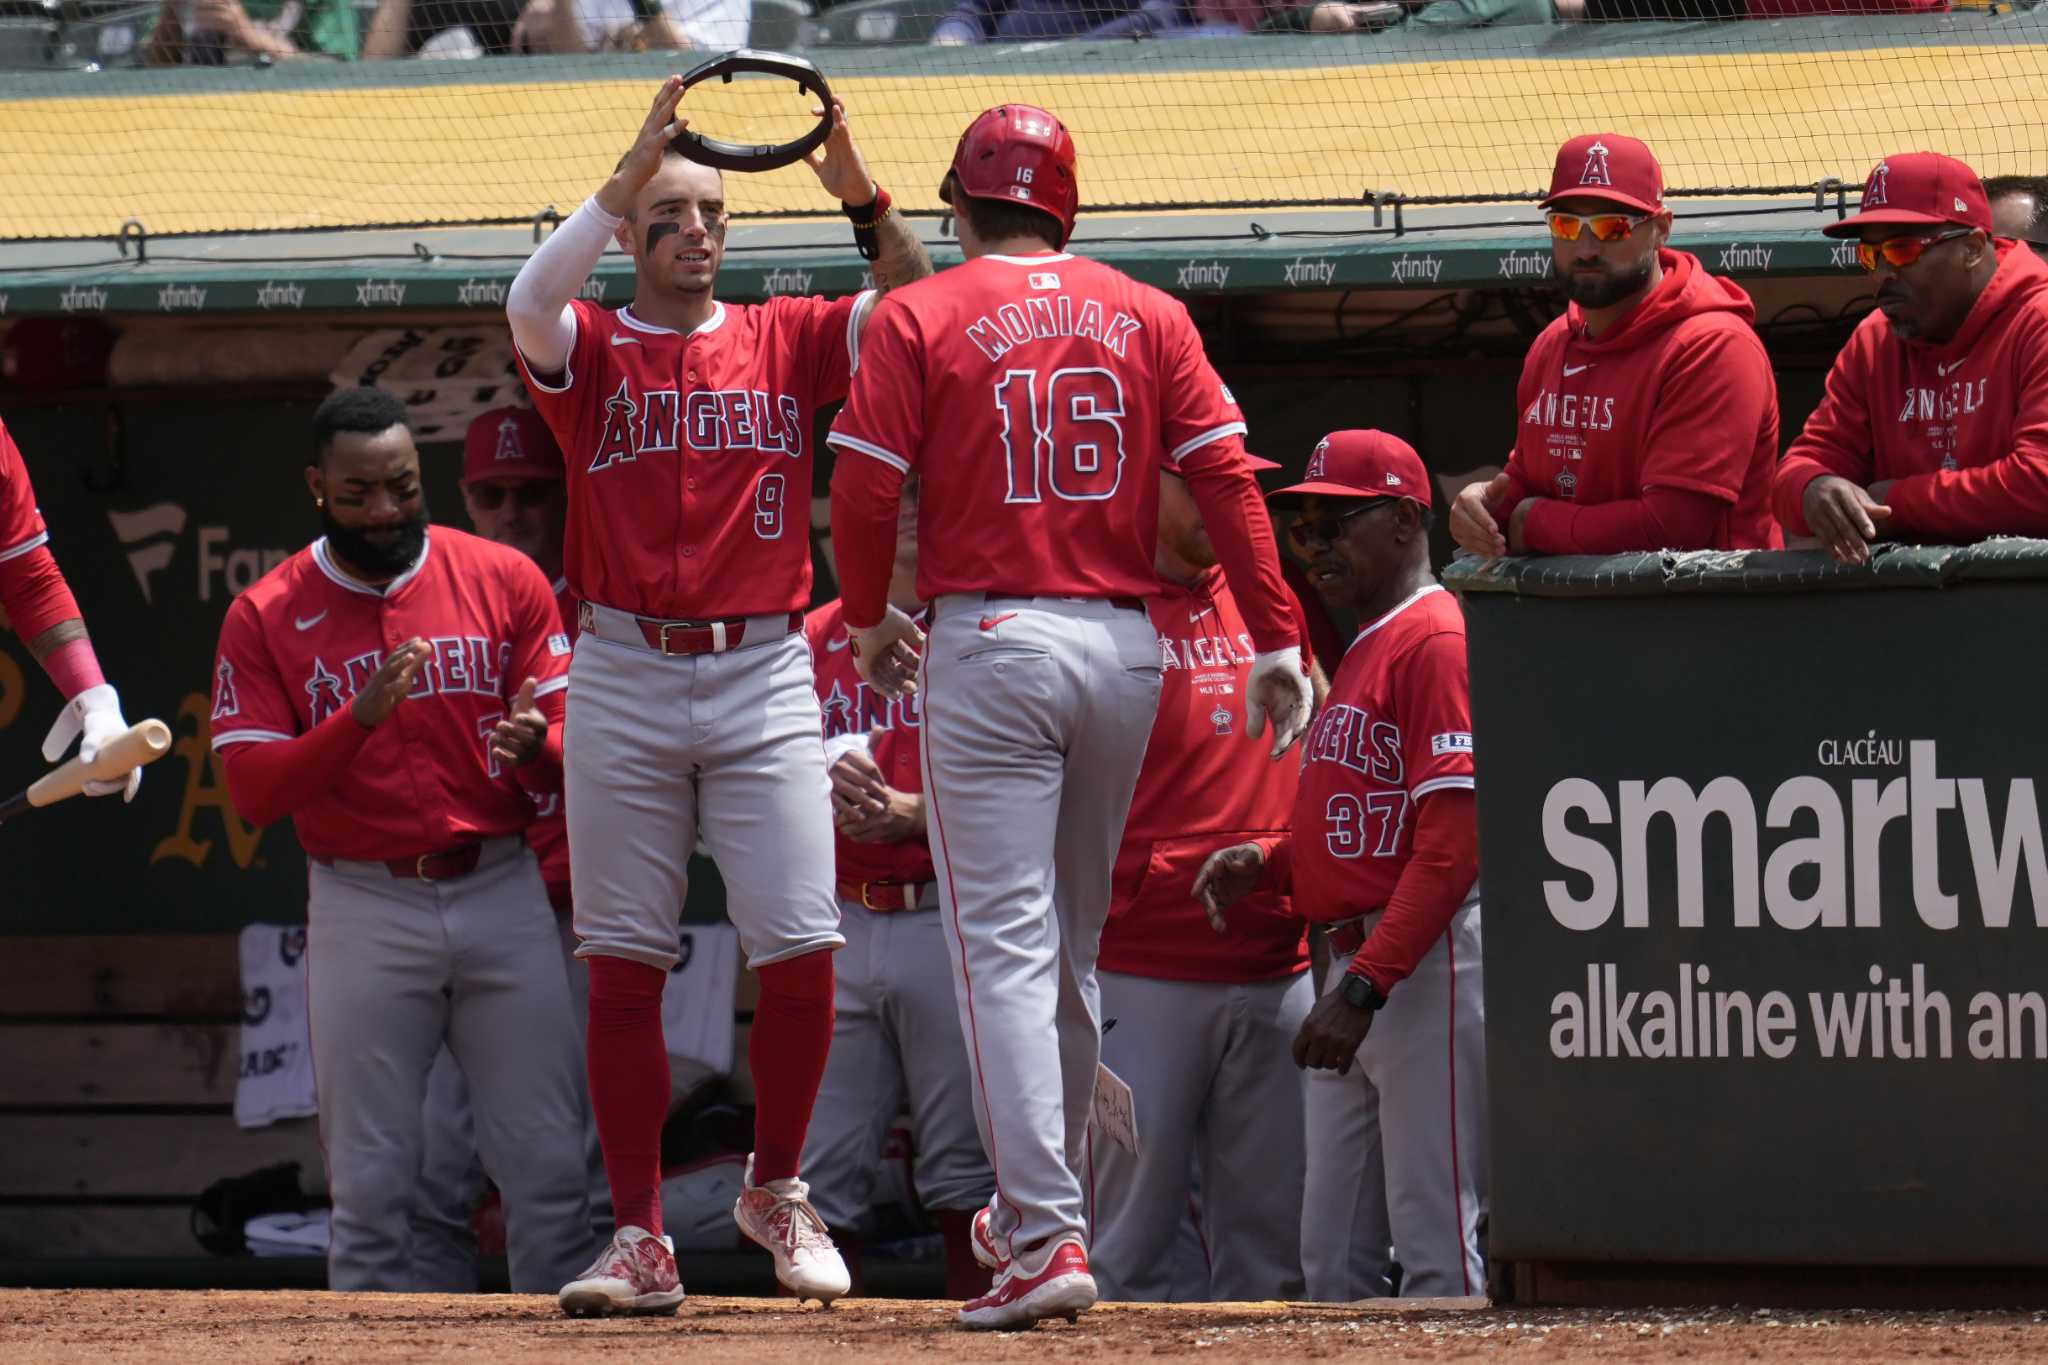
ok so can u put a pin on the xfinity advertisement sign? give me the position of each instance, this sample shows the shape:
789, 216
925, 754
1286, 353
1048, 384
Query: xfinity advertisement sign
1766, 920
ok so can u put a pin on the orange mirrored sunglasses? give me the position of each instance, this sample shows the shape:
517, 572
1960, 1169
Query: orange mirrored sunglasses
1900, 252
1607, 227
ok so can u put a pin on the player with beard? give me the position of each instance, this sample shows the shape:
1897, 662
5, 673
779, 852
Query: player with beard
398, 693
1649, 417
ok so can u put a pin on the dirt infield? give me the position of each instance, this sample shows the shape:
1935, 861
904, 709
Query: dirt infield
105, 1326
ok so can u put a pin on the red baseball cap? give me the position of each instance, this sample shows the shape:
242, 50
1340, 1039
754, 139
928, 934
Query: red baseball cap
1363, 464
1610, 166
1260, 463
510, 443
1919, 189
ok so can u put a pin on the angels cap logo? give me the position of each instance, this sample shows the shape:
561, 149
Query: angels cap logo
1317, 462
1596, 172
508, 440
1875, 194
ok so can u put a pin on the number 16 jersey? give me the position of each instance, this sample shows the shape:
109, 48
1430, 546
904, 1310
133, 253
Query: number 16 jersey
1054, 391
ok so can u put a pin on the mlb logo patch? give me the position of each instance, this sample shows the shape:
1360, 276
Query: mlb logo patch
558, 644
1043, 279
1452, 742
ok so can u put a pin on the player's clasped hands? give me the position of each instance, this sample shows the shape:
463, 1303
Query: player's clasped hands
517, 738
389, 685
1226, 878
887, 653
865, 808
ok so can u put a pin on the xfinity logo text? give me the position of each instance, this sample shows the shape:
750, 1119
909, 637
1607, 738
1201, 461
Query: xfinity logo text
83, 298
1408, 267
275, 295
781, 281
390, 293
1736, 256
474, 292
1525, 265
1212, 274
1310, 270
173, 297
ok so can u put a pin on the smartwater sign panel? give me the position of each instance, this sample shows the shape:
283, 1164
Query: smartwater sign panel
1766, 907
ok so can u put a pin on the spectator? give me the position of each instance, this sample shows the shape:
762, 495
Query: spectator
1354, 16
2019, 209
1649, 417
1935, 419
400, 28
632, 25
212, 32
983, 21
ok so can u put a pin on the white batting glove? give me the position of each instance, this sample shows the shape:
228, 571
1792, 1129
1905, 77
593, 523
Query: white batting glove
92, 717
1279, 688
886, 653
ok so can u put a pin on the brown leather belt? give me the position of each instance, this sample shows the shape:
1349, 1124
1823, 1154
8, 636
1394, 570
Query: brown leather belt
700, 637
446, 865
883, 897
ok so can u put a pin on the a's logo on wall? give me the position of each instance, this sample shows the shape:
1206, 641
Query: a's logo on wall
151, 537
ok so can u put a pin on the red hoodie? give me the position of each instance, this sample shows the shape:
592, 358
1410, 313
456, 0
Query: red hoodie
1962, 426
1677, 396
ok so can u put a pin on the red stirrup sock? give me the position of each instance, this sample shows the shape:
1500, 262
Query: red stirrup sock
792, 1033
629, 1084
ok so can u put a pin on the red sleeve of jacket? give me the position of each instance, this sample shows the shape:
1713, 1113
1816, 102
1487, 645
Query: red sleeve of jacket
1837, 438
34, 594
1703, 439
1279, 873
2007, 497
1661, 519
269, 781
1442, 865
1234, 511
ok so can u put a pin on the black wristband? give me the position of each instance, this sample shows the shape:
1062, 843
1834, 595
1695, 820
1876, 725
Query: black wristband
865, 218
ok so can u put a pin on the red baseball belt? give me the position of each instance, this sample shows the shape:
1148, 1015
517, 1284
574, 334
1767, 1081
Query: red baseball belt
701, 637
883, 897
445, 865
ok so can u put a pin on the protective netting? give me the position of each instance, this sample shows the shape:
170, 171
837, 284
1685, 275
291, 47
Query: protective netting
1174, 103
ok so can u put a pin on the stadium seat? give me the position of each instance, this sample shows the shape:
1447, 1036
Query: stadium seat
879, 21
778, 25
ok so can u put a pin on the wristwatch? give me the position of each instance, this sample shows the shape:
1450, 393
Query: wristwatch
1360, 993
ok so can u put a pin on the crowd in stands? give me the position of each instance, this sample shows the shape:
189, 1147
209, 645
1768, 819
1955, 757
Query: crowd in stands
208, 32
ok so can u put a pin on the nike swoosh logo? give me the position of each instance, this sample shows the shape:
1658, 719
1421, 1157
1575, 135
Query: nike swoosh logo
836, 645
625, 341
1571, 370
991, 622
308, 622
1943, 370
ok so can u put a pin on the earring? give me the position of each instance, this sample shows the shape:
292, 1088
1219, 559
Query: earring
319, 502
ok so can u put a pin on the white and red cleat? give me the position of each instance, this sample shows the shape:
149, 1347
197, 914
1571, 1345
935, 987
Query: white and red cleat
636, 1273
1058, 1286
983, 1240
779, 1217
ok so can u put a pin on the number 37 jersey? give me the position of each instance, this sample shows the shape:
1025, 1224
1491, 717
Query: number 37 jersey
689, 457
1055, 390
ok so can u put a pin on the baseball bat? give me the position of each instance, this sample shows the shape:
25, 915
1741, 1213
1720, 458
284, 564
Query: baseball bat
133, 747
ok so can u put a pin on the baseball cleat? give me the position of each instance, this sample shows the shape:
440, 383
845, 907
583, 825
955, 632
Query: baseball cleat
778, 1216
1060, 1287
636, 1273
982, 1238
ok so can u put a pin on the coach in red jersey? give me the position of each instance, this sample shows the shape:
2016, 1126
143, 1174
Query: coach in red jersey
39, 605
397, 691
1384, 850
1204, 1020
687, 426
1038, 395
1649, 417
1935, 421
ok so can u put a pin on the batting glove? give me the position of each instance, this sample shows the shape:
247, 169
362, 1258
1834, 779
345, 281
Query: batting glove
1279, 686
93, 717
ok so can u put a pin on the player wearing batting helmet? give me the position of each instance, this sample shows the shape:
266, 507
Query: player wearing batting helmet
1935, 419
1037, 396
1384, 852
38, 603
396, 690
1649, 416
687, 426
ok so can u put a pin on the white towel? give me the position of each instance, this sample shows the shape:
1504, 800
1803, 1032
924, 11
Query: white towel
276, 1062
696, 1005
287, 1234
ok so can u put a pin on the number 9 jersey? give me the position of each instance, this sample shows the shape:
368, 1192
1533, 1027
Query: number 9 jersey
1054, 391
689, 457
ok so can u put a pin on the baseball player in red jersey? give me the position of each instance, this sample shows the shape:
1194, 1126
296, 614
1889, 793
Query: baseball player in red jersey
1935, 419
896, 1037
1037, 395
1384, 851
39, 605
687, 427
1203, 1020
397, 692
512, 490
1649, 416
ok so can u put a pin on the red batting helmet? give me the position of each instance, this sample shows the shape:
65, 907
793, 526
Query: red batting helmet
1021, 154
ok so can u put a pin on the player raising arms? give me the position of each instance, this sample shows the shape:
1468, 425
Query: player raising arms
686, 424
39, 604
1038, 396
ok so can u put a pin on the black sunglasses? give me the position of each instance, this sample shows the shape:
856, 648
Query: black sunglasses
491, 496
1327, 528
